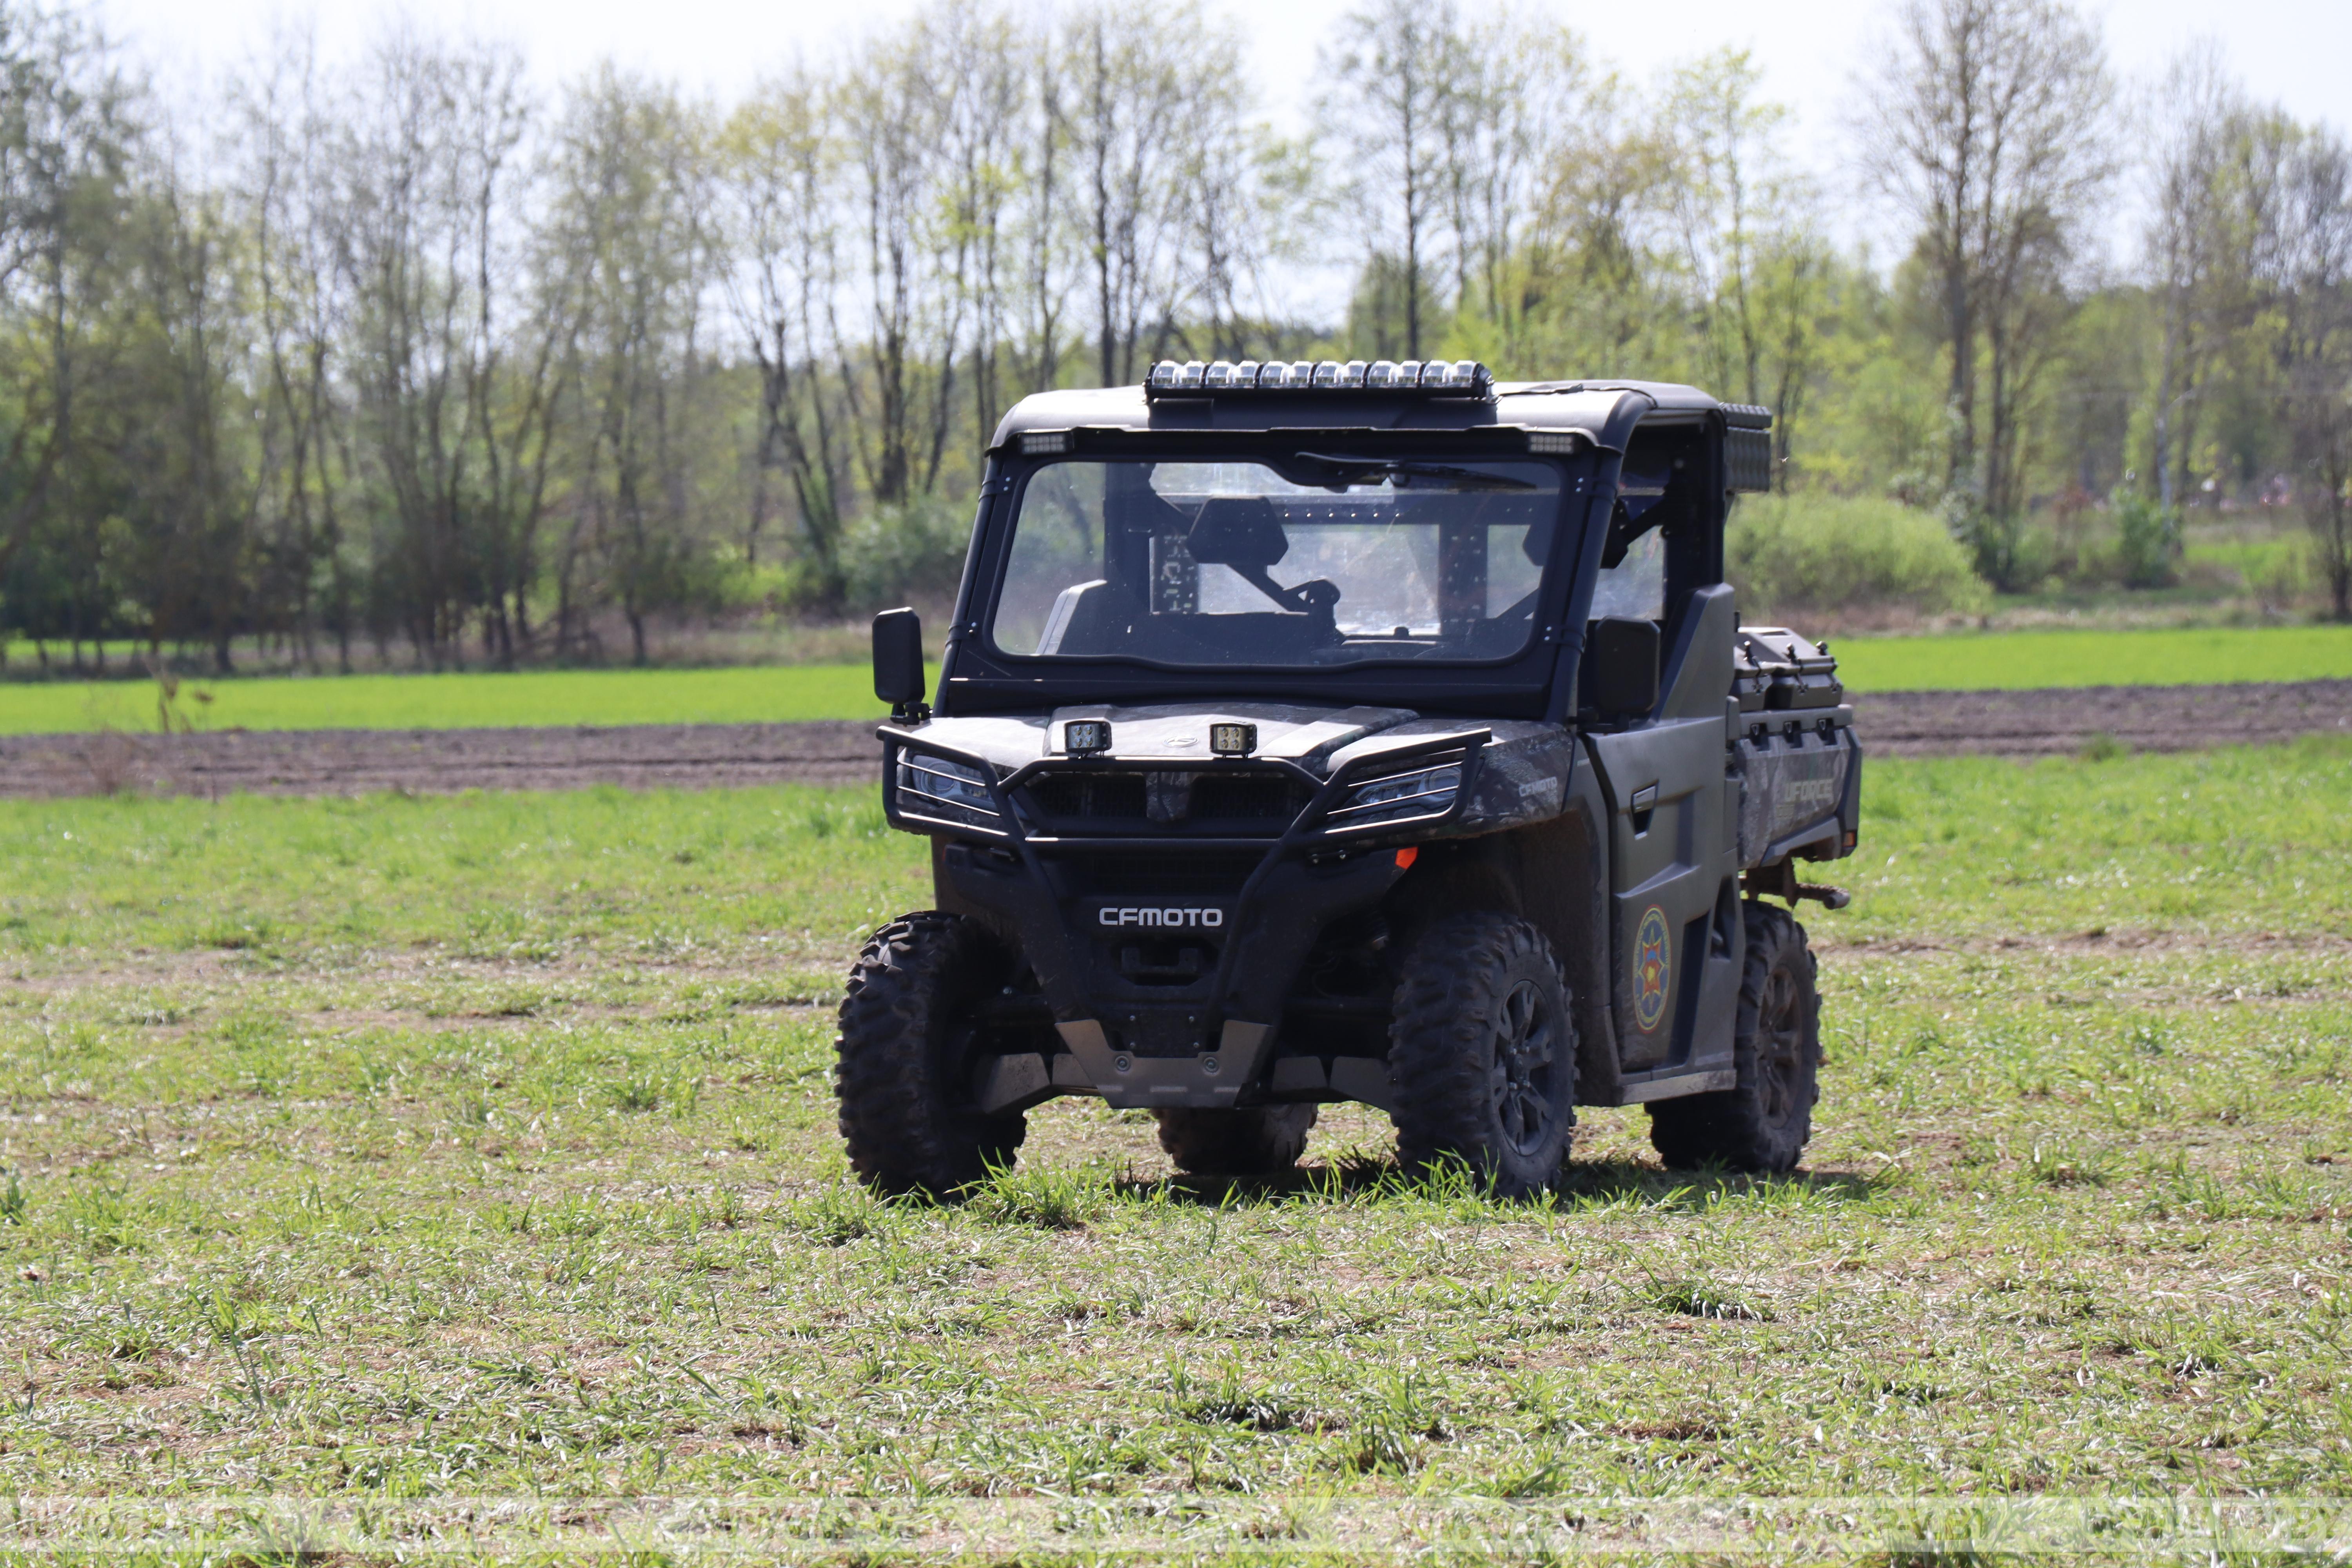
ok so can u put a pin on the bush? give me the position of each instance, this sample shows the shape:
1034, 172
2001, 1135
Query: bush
1833, 553
892, 554
2147, 542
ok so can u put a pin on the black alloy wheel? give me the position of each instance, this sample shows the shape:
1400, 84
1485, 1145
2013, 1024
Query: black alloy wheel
1525, 1049
1781, 1030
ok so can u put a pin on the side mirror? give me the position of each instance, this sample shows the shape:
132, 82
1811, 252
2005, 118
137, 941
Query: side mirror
898, 664
1620, 664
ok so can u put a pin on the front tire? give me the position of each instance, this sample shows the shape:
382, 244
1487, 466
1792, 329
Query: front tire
906, 1055
1263, 1141
1763, 1124
1482, 1054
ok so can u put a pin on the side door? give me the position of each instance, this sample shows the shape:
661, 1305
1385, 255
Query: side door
1674, 920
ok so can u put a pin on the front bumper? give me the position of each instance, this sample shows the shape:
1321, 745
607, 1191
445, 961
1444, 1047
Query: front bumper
1197, 1032
1163, 959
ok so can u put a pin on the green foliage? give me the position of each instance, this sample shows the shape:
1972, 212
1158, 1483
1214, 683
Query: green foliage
914, 550
1702, 1298
1811, 551
2003, 548
2148, 540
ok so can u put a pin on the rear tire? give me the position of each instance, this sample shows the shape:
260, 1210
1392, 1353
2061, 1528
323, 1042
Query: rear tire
1763, 1123
906, 1059
1263, 1141
1482, 1054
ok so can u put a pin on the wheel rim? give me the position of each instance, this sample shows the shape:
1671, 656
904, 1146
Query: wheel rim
1780, 1045
1522, 1071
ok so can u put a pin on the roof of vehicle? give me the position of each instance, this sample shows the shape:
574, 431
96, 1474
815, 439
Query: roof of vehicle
1605, 411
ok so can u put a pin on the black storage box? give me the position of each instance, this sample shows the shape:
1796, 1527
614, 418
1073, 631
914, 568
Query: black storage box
1775, 668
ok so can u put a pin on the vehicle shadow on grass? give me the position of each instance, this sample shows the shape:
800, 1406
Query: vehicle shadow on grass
1595, 1185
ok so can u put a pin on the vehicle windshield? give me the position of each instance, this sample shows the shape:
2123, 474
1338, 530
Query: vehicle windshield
1313, 559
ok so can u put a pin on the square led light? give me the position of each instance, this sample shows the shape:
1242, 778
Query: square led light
1232, 740
1038, 441
1082, 737
1560, 443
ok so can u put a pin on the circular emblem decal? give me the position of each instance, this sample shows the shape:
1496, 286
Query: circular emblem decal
1652, 969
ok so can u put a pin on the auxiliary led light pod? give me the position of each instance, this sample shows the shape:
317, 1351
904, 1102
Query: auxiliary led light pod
1381, 378
1232, 740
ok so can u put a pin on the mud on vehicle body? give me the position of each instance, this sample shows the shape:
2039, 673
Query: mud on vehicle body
1379, 733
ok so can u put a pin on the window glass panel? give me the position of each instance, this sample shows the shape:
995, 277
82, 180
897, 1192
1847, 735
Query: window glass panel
1322, 561
1635, 588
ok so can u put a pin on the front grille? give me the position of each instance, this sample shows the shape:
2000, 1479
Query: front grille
1167, 796
1247, 798
1146, 875
1077, 794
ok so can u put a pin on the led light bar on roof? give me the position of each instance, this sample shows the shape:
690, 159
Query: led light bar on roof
1381, 378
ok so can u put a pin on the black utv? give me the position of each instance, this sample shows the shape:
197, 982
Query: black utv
1318, 731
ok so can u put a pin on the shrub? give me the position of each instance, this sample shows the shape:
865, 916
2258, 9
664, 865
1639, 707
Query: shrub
2147, 542
1825, 552
892, 554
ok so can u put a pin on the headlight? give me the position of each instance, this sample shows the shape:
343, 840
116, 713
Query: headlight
1429, 792
941, 788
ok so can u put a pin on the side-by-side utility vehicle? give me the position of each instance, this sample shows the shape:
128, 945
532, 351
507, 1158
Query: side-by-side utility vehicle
1315, 732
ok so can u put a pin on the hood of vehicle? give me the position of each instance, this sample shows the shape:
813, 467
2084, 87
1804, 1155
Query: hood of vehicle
1169, 732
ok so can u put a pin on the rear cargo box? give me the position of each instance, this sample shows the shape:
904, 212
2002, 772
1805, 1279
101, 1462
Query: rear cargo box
1799, 778
1776, 669
1800, 764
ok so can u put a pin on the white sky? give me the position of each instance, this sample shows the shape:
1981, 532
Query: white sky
2297, 53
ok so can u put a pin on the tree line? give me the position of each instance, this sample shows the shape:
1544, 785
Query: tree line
399, 355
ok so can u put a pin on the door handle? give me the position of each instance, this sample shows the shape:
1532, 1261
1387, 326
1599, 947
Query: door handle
1645, 798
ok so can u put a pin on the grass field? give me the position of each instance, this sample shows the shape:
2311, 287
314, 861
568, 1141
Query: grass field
410, 1153
780, 694
2025, 659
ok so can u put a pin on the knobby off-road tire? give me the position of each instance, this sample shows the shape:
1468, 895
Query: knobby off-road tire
1263, 1141
1760, 1125
905, 1050
1483, 1054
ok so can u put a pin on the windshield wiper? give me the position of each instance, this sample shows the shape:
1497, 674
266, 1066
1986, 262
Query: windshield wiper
1347, 471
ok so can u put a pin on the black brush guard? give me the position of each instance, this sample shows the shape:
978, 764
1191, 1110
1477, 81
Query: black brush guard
1142, 1024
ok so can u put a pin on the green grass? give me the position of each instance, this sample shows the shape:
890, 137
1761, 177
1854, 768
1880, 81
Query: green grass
776, 694
2020, 660
783, 693
405, 1152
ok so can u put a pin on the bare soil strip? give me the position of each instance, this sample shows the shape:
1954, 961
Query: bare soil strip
360, 761
2066, 719
702, 756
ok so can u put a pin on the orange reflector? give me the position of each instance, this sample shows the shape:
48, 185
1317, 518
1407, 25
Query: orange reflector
1405, 856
